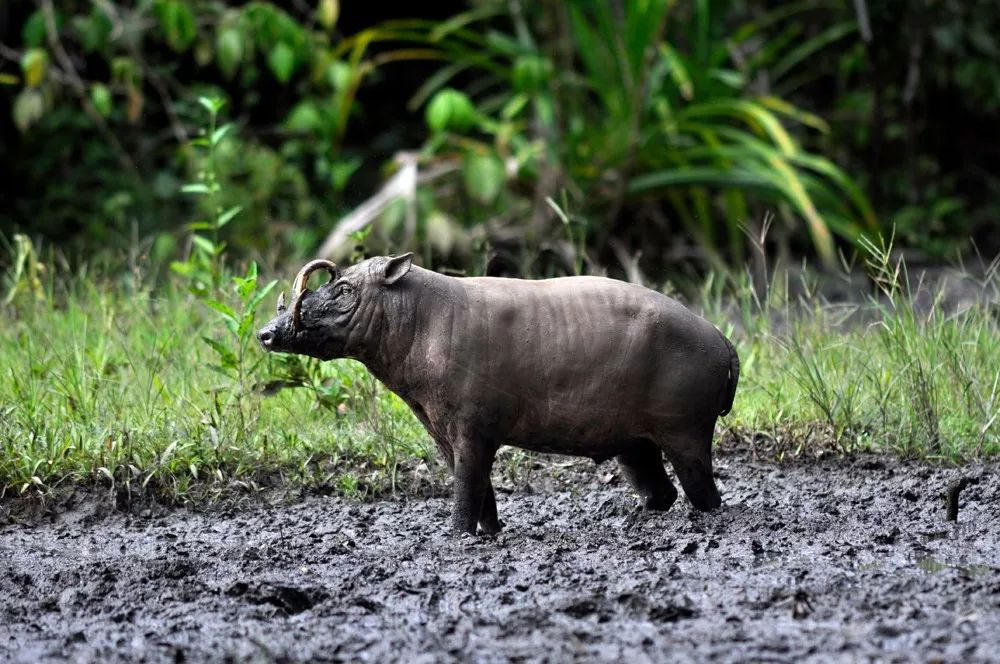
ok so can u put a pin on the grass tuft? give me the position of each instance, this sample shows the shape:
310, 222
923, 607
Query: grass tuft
101, 385
906, 369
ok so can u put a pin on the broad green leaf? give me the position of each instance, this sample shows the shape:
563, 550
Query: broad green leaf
196, 188
339, 75
327, 13
282, 62
229, 50
483, 175
33, 31
177, 22
451, 110
94, 29
29, 107
34, 65
100, 97
304, 117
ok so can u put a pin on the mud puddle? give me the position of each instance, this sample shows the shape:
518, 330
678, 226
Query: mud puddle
836, 560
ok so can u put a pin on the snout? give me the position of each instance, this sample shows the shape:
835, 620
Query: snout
273, 337
266, 338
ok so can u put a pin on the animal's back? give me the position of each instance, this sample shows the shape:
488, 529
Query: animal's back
588, 358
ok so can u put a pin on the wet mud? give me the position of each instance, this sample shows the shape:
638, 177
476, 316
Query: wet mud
832, 560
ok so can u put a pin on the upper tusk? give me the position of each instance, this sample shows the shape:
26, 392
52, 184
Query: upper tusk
299, 286
302, 278
281, 302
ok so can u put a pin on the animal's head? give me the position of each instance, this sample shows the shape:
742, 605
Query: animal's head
337, 319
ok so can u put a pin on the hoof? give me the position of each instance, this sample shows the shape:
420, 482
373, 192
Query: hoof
706, 503
658, 503
491, 528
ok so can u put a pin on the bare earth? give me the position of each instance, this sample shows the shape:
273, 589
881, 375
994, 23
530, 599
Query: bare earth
835, 560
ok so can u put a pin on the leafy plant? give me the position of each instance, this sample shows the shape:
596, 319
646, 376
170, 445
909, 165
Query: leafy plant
203, 267
109, 86
648, 112
205, 271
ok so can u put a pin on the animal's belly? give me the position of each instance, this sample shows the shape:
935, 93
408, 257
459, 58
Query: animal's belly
577, 426
597, 452
597, 419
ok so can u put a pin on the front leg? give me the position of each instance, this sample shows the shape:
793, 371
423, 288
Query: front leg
473, 462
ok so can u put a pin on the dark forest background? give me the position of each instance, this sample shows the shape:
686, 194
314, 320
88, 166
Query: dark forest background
636, 135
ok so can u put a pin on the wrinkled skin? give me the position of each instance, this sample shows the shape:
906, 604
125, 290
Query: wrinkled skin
585, 366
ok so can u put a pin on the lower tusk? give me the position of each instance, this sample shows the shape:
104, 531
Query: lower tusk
297, 312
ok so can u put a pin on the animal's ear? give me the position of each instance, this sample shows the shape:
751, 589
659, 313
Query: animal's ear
396, 267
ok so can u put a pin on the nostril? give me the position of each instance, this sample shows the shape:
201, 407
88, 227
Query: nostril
266, 337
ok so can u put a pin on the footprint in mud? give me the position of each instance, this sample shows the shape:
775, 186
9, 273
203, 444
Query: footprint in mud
169, 569
289, 599
635, 606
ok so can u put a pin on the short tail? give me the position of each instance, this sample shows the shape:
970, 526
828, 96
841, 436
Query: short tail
734, 377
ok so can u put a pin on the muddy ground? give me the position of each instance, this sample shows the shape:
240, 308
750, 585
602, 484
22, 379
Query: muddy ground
832, 560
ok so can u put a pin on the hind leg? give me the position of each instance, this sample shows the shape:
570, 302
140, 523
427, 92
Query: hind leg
489, 522
691, 457
642, 466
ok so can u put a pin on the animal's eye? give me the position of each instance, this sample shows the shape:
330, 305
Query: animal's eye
344, 290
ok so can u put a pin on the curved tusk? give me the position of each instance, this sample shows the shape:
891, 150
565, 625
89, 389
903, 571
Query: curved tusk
312, 266
281, 303
299, 286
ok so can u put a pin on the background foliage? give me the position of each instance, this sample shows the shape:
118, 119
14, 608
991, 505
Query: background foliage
635, 133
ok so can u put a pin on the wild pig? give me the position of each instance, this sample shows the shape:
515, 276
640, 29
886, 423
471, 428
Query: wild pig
586, 366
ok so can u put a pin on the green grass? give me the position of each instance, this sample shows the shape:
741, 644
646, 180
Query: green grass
99, 384
881, 375
103, 382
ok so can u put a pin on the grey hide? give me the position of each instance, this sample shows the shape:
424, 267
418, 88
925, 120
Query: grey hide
586, 366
